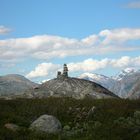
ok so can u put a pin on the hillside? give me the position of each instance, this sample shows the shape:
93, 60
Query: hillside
13, 84
72, 87
134, 93
123, 87
65, 86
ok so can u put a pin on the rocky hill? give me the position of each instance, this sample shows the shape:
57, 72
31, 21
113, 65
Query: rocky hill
64, 86
13, 84
71, 87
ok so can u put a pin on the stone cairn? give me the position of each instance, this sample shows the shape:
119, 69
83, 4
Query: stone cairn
65, 72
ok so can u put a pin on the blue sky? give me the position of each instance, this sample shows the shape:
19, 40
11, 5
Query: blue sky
37, 37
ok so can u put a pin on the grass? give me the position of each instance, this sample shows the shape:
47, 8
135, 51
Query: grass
100, 125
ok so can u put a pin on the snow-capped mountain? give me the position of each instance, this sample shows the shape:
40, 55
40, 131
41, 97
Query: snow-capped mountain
134, 93
98, 78
122, 84
124, 73
43, 81
125, 85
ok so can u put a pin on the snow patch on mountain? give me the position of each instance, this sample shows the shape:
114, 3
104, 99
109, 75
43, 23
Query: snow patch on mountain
124, 73
98, 78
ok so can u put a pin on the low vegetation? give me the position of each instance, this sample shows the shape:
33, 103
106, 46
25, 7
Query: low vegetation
87, 119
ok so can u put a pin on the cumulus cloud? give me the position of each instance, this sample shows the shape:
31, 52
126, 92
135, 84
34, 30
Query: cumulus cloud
93, 64
43, 69
119, 35
133, 4
4, 30
88, 65
90, 40
46, 47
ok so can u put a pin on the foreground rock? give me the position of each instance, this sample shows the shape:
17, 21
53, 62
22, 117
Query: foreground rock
46, 123
12, 126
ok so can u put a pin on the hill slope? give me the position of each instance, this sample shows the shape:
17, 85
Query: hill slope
135, 91
124, 86
71, 87
14, 84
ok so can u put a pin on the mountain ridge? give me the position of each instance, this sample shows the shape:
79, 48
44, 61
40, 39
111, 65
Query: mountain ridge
125, 84
119, 84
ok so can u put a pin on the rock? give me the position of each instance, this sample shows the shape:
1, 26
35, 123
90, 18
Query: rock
91, 111
66, 128
46, 123
11, 126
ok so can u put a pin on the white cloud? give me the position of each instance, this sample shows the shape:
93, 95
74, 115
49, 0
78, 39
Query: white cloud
88, 65
93, 64
46, 47
91, 40
4, 30
119, 35
43, 69
124, 61
133, 5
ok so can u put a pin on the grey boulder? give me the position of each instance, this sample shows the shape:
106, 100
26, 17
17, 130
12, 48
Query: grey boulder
46, 123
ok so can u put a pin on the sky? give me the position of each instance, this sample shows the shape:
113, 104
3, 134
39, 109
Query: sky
96, 36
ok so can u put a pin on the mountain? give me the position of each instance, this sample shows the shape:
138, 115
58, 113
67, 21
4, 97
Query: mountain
124, 73
13, 84
65, 86
135, 91
123, 85
105, 81
71, 87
